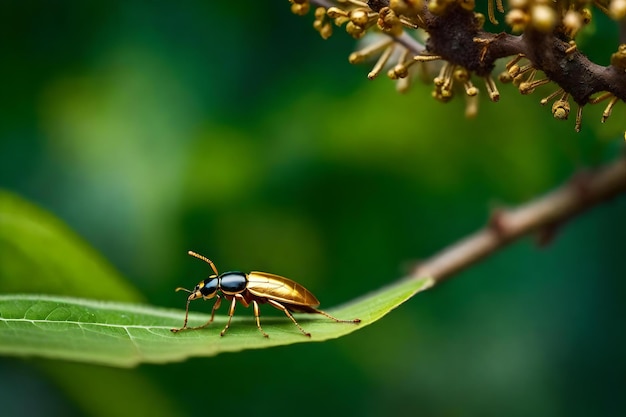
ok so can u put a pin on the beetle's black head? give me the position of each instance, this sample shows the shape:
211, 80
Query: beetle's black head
205, 289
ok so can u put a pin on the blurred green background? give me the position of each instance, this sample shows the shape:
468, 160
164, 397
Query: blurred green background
232, 129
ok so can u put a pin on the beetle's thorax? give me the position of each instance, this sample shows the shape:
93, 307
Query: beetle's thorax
233, 282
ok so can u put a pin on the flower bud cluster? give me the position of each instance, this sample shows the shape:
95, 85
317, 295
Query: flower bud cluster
446, 39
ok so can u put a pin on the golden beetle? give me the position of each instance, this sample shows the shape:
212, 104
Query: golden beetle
253, 288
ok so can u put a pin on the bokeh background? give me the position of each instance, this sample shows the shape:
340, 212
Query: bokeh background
232, 129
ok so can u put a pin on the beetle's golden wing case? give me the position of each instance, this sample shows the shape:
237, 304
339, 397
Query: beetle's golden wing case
263, 284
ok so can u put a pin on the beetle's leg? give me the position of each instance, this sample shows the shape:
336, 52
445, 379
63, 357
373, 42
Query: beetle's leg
231, 311
323, 313
242, 300
284, 309
185, 322
255, 306
217, 305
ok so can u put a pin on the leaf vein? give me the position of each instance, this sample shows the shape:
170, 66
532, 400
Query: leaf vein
82, 324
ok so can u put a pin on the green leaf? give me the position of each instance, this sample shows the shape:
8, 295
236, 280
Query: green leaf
39, 253
125, 335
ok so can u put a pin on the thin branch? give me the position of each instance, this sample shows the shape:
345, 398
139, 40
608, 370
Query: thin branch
543, 215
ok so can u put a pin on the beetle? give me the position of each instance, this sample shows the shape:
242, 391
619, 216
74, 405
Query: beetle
253, 288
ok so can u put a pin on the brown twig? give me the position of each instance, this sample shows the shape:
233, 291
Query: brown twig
542, 215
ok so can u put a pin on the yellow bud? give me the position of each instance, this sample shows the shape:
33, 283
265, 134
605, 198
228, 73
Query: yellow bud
517, 19
560, 109
572, 21
300, 9
333, 12
401, 71
359, 17
326, 31
341, 20
406, 7
543, 18
585, 14
513, 71
618, 8
472, 91
525, 88
618, 59
437, 7
460, 74
356, 58
355, 31
480, 20
446, 94
505, 77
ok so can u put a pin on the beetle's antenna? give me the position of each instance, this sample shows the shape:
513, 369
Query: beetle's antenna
183, 289
205, 259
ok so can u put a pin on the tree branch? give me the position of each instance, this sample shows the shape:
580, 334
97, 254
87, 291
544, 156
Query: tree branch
542, 216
